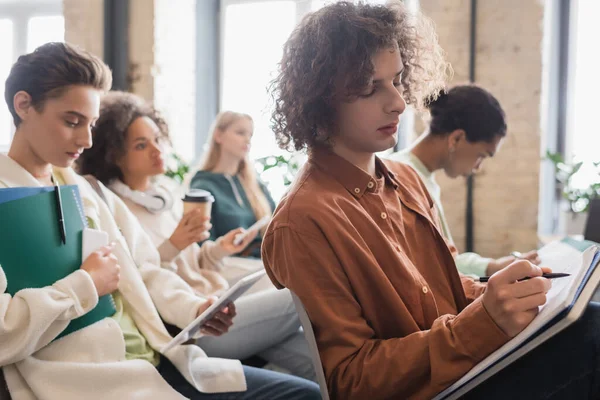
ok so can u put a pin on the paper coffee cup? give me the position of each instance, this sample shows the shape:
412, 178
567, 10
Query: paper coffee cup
198, 198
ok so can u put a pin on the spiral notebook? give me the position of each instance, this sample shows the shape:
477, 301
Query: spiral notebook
31, 252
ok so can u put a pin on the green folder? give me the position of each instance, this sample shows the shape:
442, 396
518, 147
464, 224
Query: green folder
32, 254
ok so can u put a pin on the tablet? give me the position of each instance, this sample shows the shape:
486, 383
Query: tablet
229, 296
258, 225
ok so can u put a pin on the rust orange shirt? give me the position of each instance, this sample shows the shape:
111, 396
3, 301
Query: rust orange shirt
392, 317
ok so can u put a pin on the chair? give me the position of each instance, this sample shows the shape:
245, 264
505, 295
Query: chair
4, 394
312, 345
592, 225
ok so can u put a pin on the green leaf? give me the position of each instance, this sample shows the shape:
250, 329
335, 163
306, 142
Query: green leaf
180, 170
576, 168
556, 158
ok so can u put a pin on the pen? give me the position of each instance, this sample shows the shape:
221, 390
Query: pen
61, 219
547, 276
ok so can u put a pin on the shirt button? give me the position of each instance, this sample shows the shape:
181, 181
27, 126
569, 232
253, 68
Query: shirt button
425, 290
383, 215
370, 185
399, 248
357, 190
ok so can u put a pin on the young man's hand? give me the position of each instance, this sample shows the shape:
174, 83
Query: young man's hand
511, 303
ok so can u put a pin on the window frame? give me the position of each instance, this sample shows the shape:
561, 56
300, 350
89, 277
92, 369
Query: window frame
19, 12
560, 47
302, 8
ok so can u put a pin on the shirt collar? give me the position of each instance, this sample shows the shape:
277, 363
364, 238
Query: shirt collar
355, 180
419, 166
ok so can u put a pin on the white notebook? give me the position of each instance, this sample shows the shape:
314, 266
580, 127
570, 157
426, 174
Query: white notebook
91, 241
566, 302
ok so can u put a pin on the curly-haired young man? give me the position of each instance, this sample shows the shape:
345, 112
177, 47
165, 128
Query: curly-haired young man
358, 239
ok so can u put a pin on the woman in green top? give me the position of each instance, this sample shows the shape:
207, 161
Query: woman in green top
467, 126
227, 172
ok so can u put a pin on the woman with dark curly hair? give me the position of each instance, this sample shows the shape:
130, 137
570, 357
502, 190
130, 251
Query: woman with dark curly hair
357, 239
128, 156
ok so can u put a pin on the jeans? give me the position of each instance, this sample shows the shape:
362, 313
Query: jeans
565, 367
266, 325
262, 385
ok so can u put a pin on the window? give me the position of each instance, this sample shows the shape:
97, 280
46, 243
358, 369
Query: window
174, 96
6, 49
569, 127
45, 29
583, 131
24, 25
252, 36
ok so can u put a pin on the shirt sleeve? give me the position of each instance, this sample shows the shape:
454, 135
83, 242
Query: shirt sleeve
472, 264
472, 288
175, 300
32, 318
211, 255
168, 251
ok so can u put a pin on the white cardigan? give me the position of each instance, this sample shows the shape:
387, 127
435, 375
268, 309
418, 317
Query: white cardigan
90, 363
199, 266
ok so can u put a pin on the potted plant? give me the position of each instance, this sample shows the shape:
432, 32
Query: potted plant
177, 168
576, 199
279, 171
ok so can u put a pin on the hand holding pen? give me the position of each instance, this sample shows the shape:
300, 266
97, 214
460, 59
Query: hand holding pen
550, 275
514, 294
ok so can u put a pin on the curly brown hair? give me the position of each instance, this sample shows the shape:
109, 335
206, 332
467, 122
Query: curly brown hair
118, 110
328, 58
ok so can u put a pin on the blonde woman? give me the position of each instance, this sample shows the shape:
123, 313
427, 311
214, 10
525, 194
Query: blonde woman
227, 173
128, 157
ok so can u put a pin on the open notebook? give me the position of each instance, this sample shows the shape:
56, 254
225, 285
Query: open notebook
567, 300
